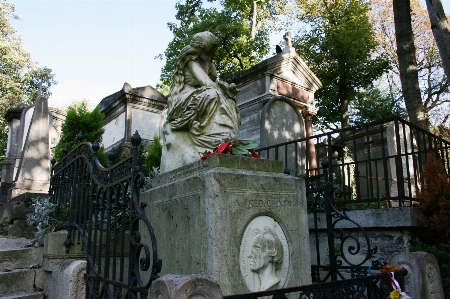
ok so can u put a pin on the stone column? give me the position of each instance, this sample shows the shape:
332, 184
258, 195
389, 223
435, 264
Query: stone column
311, 147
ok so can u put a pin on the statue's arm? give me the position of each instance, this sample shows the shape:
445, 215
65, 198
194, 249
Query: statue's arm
199, 74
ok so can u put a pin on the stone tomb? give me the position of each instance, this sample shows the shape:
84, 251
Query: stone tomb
221, 216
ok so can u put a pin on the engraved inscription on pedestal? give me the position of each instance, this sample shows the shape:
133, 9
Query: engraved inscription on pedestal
264, 255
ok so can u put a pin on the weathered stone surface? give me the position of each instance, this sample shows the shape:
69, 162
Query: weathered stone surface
206, 215
54, 250
21, 258
174, 286
67, 280
423, 279
16, 281
281, 122
20, 228
33, 174
28, 295
219, 160
377, 218
131, 109
284, 75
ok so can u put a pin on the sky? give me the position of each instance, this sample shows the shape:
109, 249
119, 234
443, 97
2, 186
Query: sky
95, 46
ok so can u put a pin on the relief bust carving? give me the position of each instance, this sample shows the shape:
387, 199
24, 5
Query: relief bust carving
264, 255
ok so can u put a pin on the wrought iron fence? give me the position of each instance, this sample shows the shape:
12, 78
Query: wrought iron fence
100, 209
368, 287
355, 255
375, 164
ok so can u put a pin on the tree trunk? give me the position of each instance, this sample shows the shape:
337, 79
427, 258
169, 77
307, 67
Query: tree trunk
441, 32
409, 75
254, 15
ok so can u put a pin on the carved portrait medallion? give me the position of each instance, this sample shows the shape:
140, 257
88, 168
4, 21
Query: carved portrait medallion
264, 255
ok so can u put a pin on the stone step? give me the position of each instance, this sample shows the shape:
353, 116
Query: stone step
31, 295
23, 258
17, 281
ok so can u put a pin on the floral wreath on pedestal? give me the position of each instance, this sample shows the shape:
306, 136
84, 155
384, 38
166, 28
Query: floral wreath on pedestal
237, 147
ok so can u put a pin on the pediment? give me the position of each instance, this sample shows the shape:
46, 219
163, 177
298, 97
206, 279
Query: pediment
288, 66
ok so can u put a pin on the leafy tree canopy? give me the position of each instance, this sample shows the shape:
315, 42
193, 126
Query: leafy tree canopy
243, 28
79, 118
20, 76
338, 45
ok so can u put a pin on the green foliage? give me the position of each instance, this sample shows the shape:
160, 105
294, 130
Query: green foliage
79, 119
152, 156
374, 105
338, 45
232, 24
46, 217
442, 254
20, 76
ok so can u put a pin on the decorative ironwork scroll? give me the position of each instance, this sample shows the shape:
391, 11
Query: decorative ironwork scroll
349, 257
100, 209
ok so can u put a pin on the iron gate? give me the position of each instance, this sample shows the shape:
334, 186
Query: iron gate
101, 211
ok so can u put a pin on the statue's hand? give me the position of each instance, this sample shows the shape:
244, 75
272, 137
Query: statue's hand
230, 89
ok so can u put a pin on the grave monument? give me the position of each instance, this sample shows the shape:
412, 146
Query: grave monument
237, 219
201, 111
276, 103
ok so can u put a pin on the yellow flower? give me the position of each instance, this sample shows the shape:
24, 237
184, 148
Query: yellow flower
395, 294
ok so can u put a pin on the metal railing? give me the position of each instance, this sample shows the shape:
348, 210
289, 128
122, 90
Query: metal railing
369, 287
100, 209
376, 164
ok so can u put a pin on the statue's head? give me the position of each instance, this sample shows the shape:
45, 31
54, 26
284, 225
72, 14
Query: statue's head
205, 42
266, 248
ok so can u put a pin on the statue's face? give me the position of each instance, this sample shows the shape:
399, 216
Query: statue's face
209, 51
258, 257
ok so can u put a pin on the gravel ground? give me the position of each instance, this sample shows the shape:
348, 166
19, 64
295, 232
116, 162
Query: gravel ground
8, 243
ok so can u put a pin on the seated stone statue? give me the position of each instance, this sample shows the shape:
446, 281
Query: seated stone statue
201, 111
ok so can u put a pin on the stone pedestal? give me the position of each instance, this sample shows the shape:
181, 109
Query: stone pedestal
234, 218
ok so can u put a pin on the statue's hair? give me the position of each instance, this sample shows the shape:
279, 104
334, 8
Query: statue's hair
270, 244
191, 52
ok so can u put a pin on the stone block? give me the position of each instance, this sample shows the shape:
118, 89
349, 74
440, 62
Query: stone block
17, 281
21, 258
67, 280
29, 295
377, 218
174, 286
209, 223
39, 279
55, 251
423, 279
223, 161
